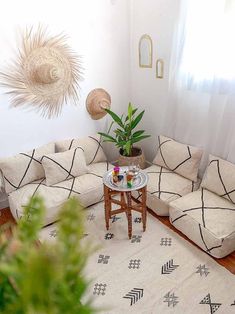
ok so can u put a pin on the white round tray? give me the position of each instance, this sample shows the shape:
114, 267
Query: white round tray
139, 182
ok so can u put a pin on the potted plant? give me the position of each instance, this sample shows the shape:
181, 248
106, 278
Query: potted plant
125, 136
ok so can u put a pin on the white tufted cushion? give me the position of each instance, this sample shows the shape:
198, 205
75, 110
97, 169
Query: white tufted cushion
165, 186
91, 145
88, 188
64, 166
219, 178
180, 158
24, 168
207, 219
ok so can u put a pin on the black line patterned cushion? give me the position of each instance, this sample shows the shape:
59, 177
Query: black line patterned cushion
64, 166
91, 145
219, 178
180, 158
207, 219
24, 168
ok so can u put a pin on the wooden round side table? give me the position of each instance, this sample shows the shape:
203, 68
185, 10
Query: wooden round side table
127, 201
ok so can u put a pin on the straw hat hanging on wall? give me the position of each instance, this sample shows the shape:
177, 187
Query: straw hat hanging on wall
45, 74
98, 100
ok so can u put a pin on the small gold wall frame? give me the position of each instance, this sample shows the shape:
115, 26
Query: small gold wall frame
145, 51
159, 68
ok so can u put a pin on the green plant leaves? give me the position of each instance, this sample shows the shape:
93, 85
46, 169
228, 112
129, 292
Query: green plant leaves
28, 228
115, 117
128, 147
109, 138
138, 133
137, 120
130, 111
123, 135
140, 138
46, 278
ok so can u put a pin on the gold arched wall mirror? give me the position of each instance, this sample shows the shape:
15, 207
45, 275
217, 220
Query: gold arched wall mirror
159, 68
145, 51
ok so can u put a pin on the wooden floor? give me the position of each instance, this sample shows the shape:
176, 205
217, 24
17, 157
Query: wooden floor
227, 262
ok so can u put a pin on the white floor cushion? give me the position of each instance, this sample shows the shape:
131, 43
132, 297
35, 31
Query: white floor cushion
88, 188
207, 219
99, 168
165, 186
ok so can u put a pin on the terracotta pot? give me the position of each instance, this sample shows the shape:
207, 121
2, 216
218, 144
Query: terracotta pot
137, 158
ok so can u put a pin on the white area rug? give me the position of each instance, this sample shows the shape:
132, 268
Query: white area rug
156, 272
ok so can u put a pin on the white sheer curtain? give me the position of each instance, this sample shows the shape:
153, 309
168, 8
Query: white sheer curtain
201, 106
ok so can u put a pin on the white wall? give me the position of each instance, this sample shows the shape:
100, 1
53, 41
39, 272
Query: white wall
155, 18
99, 31
106, 33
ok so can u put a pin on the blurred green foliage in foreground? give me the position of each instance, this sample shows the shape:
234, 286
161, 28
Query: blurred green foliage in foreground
44, 278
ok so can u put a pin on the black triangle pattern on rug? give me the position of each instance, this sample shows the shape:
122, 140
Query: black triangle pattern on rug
213, 306
134, 295
169, 267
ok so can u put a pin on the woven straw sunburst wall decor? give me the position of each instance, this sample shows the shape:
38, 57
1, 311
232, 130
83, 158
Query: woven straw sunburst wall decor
45, 74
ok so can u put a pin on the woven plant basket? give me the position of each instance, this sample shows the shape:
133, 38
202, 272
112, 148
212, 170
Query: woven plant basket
137, 159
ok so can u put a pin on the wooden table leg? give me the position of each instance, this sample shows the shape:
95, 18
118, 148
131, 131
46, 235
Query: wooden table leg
107, 205
129, 214
123, 200
144, 209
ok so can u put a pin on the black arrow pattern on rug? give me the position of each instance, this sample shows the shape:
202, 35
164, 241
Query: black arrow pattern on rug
169, 267
134, 295
233, 303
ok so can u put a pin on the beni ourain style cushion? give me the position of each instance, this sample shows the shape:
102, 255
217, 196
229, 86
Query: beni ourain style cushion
165, 186
180, 158
91, 145
63, 166
207, 219
24, 168
88, 188
219, 178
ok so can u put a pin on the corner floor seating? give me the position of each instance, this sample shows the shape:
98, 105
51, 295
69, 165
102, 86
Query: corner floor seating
24, 175
207, 216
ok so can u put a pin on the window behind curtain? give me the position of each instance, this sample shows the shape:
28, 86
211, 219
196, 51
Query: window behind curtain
209, 44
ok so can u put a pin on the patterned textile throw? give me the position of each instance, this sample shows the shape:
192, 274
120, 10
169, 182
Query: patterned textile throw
156, 271
220, 178
180, 158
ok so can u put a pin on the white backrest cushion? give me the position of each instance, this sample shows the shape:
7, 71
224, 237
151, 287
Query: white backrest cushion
91, 145
63, 166
180, 158
219, 178
24, 168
